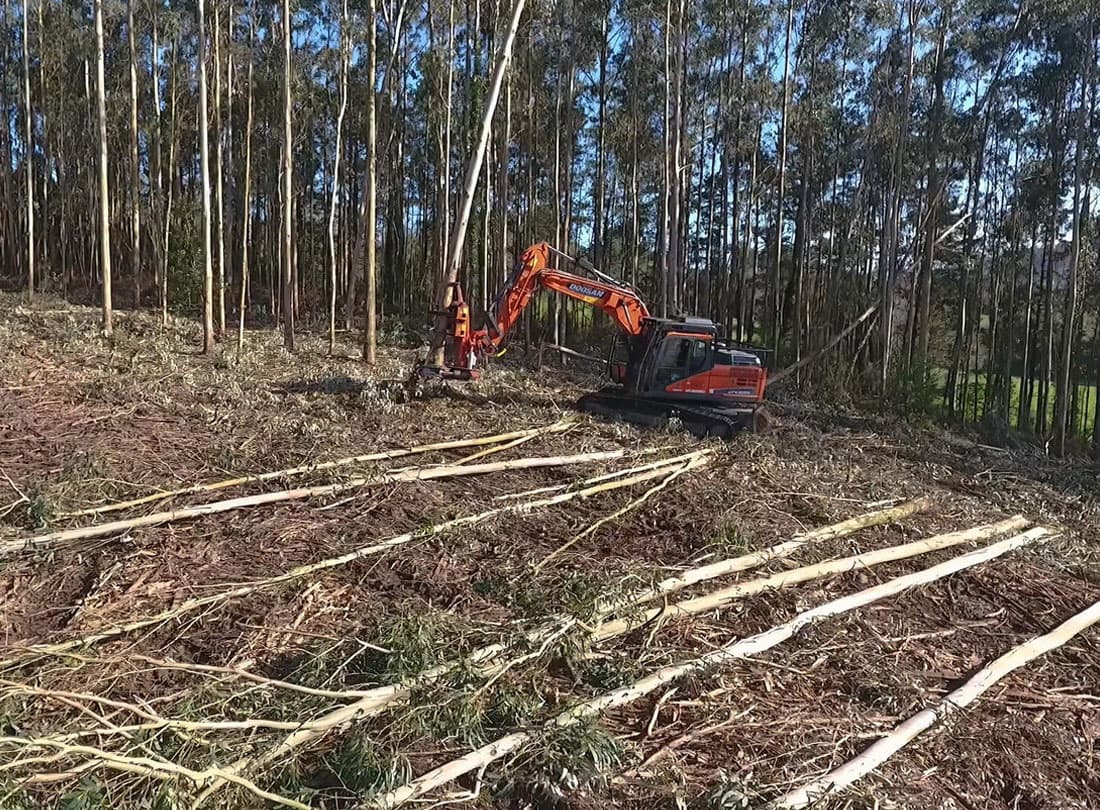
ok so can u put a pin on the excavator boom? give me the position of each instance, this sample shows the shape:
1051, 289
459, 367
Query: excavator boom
466, 346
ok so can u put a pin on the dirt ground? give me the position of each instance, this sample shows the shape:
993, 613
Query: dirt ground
84, 421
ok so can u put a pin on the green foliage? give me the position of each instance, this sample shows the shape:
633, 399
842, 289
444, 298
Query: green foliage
41, 509
569, 758
511, 707
364, 767
728, 795
185, 259
577, 594
14, 797
414, 642
730, 541
459, 707
610, 671
912, 389
87, 795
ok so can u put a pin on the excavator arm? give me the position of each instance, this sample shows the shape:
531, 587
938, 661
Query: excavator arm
465, 345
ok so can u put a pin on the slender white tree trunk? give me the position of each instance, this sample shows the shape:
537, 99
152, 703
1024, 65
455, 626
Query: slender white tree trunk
775, 305
344, 56
135, 167
169, 186
219, 171
204, 160
157, 183
370, 224
104, 199
28, 146
288, 190
246, 192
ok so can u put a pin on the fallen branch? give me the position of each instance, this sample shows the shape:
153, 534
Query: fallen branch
497, 448
959, 699
487, 659
565, 350
721, 597
384, 455
303, 571
144, 766
734, 651
373, 701
663, 462
699, 460
757, 558
155, 721
55, 539
778, 376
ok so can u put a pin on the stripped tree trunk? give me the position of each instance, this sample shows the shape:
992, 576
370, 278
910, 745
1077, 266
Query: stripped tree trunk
370, 219
978, 684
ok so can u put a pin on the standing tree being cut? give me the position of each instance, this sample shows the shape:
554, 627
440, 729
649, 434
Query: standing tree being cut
473, 172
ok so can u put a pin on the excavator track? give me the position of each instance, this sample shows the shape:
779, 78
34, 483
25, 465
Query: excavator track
699, 420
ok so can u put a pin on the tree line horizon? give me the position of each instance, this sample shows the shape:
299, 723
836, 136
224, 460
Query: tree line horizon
908, 185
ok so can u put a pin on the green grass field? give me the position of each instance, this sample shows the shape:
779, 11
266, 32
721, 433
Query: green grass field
1086, 402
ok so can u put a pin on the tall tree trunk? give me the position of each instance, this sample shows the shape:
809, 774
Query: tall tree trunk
28, 146
169, 181
370, 223
599, 249
104, 196
775, 315
246, 191
344, 58
156, 176
1023, 415
219, 172
676, 218
48, 246
934, 194
473, 172
287, 241
135, 166
1062, 393
204, 161
667, 167
888, 255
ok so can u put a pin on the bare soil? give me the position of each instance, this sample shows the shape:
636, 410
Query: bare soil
85, 421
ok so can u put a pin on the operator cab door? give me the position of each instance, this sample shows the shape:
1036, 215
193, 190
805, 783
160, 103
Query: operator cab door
679, 357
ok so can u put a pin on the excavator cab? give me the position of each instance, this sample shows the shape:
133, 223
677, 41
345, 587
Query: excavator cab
686, 357
682, 367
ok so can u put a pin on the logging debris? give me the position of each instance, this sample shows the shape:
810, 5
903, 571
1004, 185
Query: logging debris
124, 420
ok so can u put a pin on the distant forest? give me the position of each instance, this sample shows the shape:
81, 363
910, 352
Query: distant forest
920, 177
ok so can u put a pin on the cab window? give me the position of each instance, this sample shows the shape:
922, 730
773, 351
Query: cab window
681, 357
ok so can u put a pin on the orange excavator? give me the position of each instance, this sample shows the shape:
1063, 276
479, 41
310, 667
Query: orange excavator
662, 368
